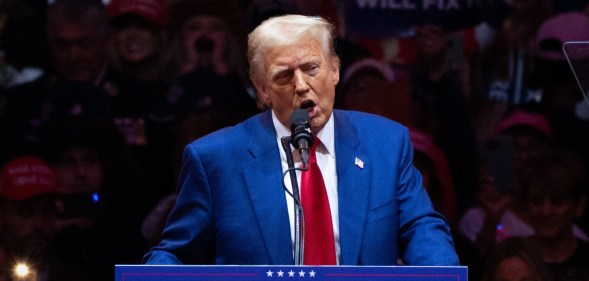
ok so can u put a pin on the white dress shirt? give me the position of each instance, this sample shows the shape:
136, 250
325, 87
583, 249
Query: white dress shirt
326, 160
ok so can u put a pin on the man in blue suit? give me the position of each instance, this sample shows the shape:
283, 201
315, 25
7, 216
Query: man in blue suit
232, 208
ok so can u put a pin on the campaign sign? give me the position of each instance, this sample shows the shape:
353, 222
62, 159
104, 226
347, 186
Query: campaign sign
288, 273
391, 18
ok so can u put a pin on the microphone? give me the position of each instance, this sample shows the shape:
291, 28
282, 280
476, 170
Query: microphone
301, 136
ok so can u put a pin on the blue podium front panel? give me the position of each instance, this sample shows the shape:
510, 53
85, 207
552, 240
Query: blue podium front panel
288, 273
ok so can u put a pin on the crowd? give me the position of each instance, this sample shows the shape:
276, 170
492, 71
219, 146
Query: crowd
98, 100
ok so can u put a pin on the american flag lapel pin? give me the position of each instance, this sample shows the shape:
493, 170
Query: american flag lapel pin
359, 163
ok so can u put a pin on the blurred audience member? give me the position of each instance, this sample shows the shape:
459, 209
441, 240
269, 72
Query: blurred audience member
508, 64
562, 100
514, 260
144, 70
554, 76
77, 33
101, 201
530, 134
440, 107
210, 90
553, 186
370, 85
500, 212
139, 44
431, 162
211, 65
27, 213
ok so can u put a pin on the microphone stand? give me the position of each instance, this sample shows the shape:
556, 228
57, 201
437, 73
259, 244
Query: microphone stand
299, 223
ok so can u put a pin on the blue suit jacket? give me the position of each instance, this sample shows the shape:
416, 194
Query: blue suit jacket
231, 207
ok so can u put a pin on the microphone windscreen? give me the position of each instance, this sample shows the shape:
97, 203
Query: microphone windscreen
298, 116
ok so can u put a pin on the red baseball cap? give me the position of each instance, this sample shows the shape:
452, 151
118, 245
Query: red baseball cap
525, 118
153, 11
26, 177
560, 29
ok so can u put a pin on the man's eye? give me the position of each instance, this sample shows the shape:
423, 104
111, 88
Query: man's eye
283, 76
313, 69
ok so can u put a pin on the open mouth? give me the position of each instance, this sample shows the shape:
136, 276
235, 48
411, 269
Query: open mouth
307, 105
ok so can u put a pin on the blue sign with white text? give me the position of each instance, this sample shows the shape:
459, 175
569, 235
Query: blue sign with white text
288, 273
391, 18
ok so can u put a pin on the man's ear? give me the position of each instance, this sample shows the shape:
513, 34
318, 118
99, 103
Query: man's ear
263, 96
335, 66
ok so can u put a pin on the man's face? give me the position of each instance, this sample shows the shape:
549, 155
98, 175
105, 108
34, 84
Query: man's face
552, 215
79, 51
79, 169
136, 44
300, 76
27, 225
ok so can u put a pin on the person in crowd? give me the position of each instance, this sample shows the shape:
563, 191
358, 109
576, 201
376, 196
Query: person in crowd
554, 186
372, 86
514, 260
139, 44
101, 200
563, 101
232, 208
431, 162
86, 84
28, 189
501, 213
508, 63
439, 103
211, 71
142, 76
210, 89
78, 44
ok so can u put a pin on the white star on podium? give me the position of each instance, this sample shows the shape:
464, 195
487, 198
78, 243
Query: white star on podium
269, 273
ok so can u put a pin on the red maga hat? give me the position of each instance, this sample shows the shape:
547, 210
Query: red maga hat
25, 177
533, 120
153, 11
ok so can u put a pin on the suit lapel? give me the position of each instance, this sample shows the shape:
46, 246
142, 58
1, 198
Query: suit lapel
353, 173
264, 181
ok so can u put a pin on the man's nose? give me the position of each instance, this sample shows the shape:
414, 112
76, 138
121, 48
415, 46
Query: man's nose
301, 85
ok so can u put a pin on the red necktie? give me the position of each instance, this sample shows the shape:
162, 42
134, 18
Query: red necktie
319, 245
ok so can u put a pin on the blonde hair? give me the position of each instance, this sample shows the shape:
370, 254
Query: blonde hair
285, 30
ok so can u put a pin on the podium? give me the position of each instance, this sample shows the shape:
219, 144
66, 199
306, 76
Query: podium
288, 273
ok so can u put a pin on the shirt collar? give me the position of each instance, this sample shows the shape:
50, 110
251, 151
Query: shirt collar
326, 134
